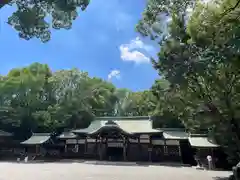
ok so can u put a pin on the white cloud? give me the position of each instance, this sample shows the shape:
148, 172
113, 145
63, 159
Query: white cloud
135, 56
138, 44
114, 74
130, 52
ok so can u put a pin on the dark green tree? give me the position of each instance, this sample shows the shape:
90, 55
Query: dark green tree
199, 57
35, 18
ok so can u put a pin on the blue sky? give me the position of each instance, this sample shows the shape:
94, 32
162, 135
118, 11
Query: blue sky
102, 42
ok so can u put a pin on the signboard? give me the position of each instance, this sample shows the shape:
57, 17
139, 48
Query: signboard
115, 144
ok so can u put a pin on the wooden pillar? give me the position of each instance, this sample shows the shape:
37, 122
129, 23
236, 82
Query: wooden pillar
139, 148
100, 148
124, 149
86, 145
65, 147
106, 145
180, 152
165, 149
106, 142
77, 145
150, 152
212, 152
36, 150
96, 145
213, 159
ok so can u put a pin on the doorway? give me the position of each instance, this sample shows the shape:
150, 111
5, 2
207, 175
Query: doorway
115, 153
187, 153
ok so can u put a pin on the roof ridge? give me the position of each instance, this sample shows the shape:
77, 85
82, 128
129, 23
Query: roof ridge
198, 135
41, 134
115, 118
173, 129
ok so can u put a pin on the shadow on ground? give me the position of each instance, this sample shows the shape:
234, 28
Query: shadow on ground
223, 178
142, 164
110, 163
45, 161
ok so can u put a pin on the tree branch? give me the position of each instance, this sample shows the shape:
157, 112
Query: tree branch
4, 2
230, 9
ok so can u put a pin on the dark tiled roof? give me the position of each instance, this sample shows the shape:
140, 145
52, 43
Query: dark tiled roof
176, 135
203, 142
37, 138
130, 125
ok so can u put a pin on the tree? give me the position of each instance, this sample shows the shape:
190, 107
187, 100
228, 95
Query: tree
199, 57
24, 93
73, 93
168, 112
105, 97
130, 103
29, 20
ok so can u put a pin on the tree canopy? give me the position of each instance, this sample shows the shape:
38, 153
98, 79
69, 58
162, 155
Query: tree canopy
35, 99
199, 59
35, 18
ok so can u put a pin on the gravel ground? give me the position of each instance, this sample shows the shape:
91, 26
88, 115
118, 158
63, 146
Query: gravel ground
82, 171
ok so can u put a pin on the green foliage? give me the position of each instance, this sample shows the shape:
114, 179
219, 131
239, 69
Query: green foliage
30, 18
199, 58
34, 99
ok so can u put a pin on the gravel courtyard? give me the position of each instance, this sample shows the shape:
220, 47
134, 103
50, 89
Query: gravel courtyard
81, 171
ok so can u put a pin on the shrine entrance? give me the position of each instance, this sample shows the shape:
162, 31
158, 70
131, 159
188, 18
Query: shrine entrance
115, 153
115, 148
115, 142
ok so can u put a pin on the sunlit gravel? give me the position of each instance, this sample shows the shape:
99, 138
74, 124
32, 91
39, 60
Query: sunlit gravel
82, 171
